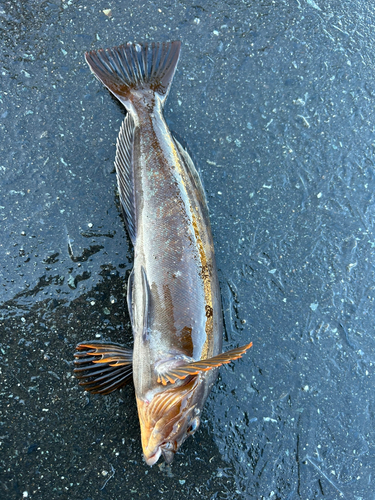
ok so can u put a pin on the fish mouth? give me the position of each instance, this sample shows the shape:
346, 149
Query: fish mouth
168, 456
152, 459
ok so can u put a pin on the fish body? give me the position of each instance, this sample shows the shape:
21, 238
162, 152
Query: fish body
173, 290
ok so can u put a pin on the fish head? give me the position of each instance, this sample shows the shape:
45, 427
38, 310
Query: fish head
169, 418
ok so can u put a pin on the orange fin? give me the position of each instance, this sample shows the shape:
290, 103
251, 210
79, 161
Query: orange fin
103, 368
204, 365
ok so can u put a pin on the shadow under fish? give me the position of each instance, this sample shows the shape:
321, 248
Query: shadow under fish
173, 290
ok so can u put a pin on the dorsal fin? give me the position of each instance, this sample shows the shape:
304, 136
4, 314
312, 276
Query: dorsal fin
125, 174
204, 365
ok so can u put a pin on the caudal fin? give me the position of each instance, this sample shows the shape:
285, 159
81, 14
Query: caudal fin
135, 66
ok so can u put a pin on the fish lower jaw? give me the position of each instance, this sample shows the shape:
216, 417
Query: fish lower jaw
152, 459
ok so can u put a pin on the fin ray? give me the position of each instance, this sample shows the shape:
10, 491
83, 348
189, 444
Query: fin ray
102, 368
134, 66
204, 365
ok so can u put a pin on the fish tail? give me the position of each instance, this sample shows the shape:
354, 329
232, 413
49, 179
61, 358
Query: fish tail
134, 67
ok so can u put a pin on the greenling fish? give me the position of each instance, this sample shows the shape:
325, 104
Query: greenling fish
173, 291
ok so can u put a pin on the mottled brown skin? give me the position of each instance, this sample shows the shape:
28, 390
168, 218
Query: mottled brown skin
174, 247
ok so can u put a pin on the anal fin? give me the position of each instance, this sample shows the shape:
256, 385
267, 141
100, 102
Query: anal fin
195, 367
102, 368
194, 176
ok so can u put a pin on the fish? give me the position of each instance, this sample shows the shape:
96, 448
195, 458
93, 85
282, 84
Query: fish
173, 292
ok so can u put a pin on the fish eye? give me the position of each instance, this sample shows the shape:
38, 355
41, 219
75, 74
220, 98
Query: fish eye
194, 424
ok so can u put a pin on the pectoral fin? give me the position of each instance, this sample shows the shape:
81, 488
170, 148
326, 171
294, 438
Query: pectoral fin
103, 368
146, 294
130, 297
204, 365
139, 310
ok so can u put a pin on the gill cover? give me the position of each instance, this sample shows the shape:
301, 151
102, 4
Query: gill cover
168, 419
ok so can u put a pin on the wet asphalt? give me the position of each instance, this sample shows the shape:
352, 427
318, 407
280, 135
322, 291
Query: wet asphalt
275, 102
